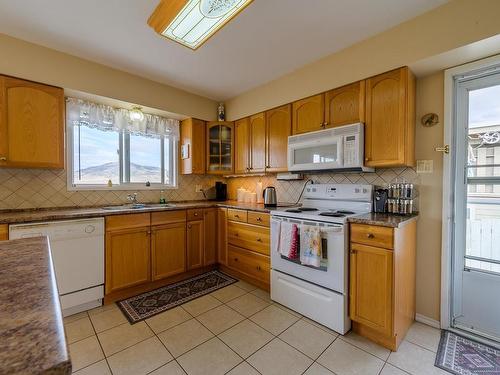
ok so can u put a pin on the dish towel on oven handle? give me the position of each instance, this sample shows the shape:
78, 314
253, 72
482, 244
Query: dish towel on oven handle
288, 241
310, 245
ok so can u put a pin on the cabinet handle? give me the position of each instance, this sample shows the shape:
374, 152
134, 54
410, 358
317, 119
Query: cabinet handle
370, 235
3, 158
367, 159
189, 226
235, 259
236, 235
259, 239
259, 219
268, 166
322, 125
237, 216
258, 268
353, 251
325, 124
196, 214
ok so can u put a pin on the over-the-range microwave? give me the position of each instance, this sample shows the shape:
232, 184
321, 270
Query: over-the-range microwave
340, 148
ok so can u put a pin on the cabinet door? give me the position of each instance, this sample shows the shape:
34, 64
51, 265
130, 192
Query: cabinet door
222, 235
220, 139
371, 287
278, 123
127, 258
242, 146
210, 234
4, 232
386, 125
31, 125
308, 114
345, 105
168, 250
193, 139
258, 143
194, 244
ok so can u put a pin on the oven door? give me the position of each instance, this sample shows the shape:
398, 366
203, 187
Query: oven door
332, 273
316, 154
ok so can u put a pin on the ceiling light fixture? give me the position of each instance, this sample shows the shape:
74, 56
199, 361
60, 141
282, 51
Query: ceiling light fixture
136, 114
192, 22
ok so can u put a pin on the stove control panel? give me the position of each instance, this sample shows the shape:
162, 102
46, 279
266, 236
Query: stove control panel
357, 192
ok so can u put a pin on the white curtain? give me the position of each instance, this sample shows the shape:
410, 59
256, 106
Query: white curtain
106, 118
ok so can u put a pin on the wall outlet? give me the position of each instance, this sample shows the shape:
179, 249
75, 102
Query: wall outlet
425, 166
198, 188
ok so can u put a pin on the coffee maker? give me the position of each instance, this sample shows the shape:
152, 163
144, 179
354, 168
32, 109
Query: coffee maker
380, 200
220, 191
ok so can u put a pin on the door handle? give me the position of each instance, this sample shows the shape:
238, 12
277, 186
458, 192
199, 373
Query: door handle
259, 239
445, 149
3, 158
370, 235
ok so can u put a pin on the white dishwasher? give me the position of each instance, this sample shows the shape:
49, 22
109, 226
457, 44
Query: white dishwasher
77, 249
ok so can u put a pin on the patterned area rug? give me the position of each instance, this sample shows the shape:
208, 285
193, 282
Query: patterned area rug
148, 304
463, 356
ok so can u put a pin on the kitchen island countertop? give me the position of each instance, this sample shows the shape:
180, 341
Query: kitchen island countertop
32, 337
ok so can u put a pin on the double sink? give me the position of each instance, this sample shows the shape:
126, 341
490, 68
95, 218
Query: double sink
137, 206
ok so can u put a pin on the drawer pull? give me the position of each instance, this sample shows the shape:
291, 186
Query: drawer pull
258, 268
189, 226
235, 259
236, 235
196, 214
370, 235
259, 219
3, 158
237, 216
259, 239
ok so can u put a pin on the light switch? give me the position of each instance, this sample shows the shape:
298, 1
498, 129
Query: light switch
425, 166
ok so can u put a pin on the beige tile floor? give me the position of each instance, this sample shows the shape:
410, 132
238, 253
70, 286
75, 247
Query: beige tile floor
236, 330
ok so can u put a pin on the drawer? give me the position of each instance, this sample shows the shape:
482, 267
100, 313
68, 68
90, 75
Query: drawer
167, 217
117, 222
195, 214
373, 235
258, 218
252, 264
237, 215
249, 237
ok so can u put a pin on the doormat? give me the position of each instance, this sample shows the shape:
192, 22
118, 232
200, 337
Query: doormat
151, 303
463, 356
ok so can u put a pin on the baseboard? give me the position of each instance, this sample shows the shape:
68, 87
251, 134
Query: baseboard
426, 320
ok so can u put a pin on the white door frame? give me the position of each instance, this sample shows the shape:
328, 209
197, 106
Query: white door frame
448, 173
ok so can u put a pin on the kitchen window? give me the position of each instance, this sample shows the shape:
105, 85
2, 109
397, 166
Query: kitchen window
108, 149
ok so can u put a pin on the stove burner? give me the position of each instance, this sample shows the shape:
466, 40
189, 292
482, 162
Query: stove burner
307, 209
345, 212
331, 214
293, 210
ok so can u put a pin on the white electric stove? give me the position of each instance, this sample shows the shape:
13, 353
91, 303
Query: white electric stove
320, 293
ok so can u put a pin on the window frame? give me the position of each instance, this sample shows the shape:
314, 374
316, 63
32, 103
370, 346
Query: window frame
173, 164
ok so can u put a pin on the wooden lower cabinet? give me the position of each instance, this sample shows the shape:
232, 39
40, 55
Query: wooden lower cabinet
252, 264
222, 236
168, 250
382, 282
210, 236
194, 244
127, 258
4, 232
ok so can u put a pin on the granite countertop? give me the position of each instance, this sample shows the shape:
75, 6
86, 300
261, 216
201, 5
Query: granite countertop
383, 219
32, 337
34, 215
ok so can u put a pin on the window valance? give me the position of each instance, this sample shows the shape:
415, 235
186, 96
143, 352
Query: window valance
107, 118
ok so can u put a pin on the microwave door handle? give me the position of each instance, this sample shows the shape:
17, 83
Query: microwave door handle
340, 151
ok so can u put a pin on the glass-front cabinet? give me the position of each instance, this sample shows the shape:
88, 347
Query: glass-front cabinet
220, 136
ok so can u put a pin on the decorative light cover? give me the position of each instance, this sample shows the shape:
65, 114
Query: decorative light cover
192, 22
136, 114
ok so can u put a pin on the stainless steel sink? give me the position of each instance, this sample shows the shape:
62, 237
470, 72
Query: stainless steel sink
137, 206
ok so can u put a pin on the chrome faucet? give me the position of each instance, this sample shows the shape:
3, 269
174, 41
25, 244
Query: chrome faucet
132, 198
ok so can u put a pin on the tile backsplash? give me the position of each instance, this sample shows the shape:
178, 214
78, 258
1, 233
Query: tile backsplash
38, 188
289, 191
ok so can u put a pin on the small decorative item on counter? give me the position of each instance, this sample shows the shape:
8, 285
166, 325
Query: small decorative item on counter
221, 112
400, 199
253, 197
259, 191
110, 183
162, 197
240, 194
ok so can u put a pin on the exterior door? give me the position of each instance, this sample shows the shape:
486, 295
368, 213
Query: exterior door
475, 299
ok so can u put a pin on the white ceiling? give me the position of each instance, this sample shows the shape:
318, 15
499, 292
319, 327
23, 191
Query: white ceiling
267, 40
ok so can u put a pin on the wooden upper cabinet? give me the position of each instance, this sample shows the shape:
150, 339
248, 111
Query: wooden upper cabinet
345, 105
279, 127
193, 143
258, 143
371, 281
210, 234
31, 124
219, 141
390, 119
242, 146
195, 244
168, 250
308, 114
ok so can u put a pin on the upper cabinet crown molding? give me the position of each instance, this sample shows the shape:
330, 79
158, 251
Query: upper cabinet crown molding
31, 124
390, 119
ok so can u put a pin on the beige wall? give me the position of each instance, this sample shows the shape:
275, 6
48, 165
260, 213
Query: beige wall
430, 98
455, 24
30, 61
